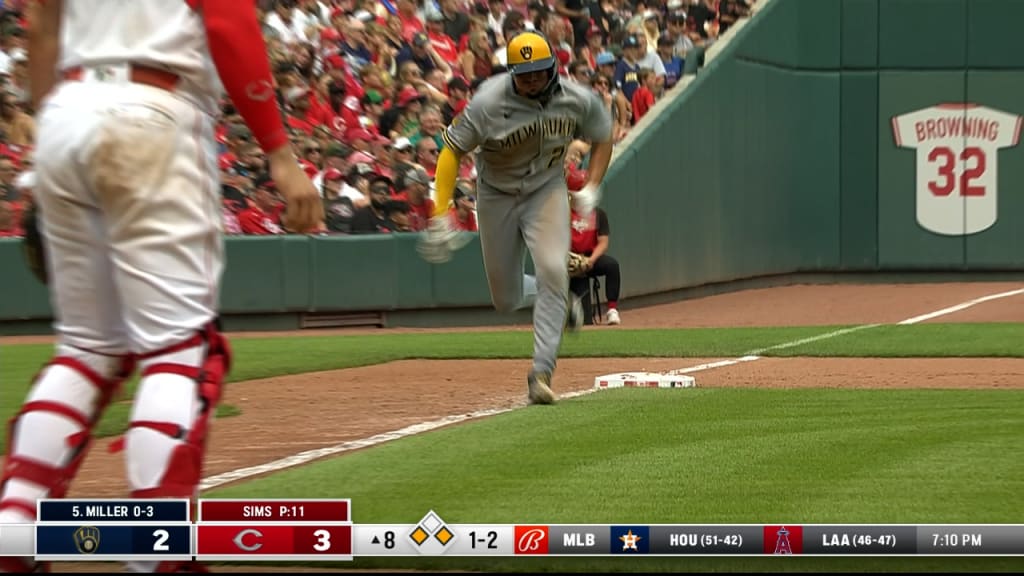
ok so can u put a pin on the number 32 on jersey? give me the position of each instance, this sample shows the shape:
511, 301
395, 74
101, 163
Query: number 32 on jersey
957, 150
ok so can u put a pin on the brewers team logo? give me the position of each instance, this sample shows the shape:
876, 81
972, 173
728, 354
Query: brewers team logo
526, 52
957, 146
87, 539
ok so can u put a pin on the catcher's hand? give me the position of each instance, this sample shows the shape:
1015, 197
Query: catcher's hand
32, 244
578, 265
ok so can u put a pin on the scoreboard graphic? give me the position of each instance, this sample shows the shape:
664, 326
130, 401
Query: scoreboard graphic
322, 529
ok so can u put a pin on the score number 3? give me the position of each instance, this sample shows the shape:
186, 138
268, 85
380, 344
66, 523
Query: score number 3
323, 540
947, 180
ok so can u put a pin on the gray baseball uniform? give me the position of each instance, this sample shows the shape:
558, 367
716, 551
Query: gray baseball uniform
522, 198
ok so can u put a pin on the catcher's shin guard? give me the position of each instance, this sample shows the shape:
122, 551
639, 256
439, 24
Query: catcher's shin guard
177, 396
51, 434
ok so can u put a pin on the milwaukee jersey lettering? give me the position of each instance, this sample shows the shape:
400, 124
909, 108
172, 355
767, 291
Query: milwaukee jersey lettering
520, 143
957, 171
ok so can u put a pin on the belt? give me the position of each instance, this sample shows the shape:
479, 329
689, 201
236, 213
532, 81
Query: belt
138, 74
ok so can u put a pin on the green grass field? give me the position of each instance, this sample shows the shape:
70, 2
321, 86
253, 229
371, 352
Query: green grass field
724, 455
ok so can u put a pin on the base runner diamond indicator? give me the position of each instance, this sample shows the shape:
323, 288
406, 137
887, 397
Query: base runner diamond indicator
431, 522
419, 535
444, 535
433, 526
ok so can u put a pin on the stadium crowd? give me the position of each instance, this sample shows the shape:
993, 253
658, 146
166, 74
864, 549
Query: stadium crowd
367, 86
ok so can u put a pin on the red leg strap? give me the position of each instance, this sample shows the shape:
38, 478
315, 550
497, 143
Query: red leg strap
57, 408
82, 368
190, 372
24, 505
165, 428
58, 480
106, 387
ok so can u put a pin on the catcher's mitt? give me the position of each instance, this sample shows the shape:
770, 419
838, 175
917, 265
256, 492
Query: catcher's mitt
577, 265
32, 244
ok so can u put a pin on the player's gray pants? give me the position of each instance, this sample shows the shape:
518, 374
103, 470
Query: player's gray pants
538, 222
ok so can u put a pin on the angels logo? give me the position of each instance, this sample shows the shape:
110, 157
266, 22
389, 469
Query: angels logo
526, 52
531, 539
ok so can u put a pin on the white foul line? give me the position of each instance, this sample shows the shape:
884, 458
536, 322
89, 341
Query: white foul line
960, 307
318, 453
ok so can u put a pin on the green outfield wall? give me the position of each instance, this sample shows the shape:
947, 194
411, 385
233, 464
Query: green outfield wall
823, 136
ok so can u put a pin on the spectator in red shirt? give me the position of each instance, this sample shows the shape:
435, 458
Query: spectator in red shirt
443, 45
458, 98
298, 117
263, 216
417, 194
643, 97
590, 238
9, 224
426, 154
463, 212
411, 22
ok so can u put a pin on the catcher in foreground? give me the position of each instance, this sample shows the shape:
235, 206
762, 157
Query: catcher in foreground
125, 162
520, 124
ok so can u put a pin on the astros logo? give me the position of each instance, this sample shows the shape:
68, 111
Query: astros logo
526, 52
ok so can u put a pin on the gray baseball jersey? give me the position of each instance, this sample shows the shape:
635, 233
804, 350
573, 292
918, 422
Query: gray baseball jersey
521, 142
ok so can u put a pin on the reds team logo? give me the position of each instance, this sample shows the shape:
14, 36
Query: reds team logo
531, 539
957, 148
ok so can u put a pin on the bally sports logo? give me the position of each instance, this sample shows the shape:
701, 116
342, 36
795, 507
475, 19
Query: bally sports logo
531, 539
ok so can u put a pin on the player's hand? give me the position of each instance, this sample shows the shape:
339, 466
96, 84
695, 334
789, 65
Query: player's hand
439, 240
585, 200
304, 211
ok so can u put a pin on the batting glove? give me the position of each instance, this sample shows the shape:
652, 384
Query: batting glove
439, 240
586, 200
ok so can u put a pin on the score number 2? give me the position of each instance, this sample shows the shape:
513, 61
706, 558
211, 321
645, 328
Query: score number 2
160, 540
947, 180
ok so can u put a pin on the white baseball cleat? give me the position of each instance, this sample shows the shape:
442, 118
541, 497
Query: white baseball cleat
612, 317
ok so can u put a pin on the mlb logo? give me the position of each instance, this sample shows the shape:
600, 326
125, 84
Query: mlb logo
531, 539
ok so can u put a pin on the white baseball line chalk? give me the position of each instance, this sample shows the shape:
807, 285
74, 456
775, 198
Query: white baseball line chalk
316, 454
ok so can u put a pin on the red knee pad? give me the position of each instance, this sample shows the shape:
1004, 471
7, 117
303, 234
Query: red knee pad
58, 480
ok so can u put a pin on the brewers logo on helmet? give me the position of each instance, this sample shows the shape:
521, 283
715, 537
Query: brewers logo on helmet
531, 52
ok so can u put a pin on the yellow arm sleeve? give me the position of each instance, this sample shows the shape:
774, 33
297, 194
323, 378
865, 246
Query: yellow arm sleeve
444, 179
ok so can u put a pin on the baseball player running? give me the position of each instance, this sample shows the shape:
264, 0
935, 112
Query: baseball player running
521, 124
128, 188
